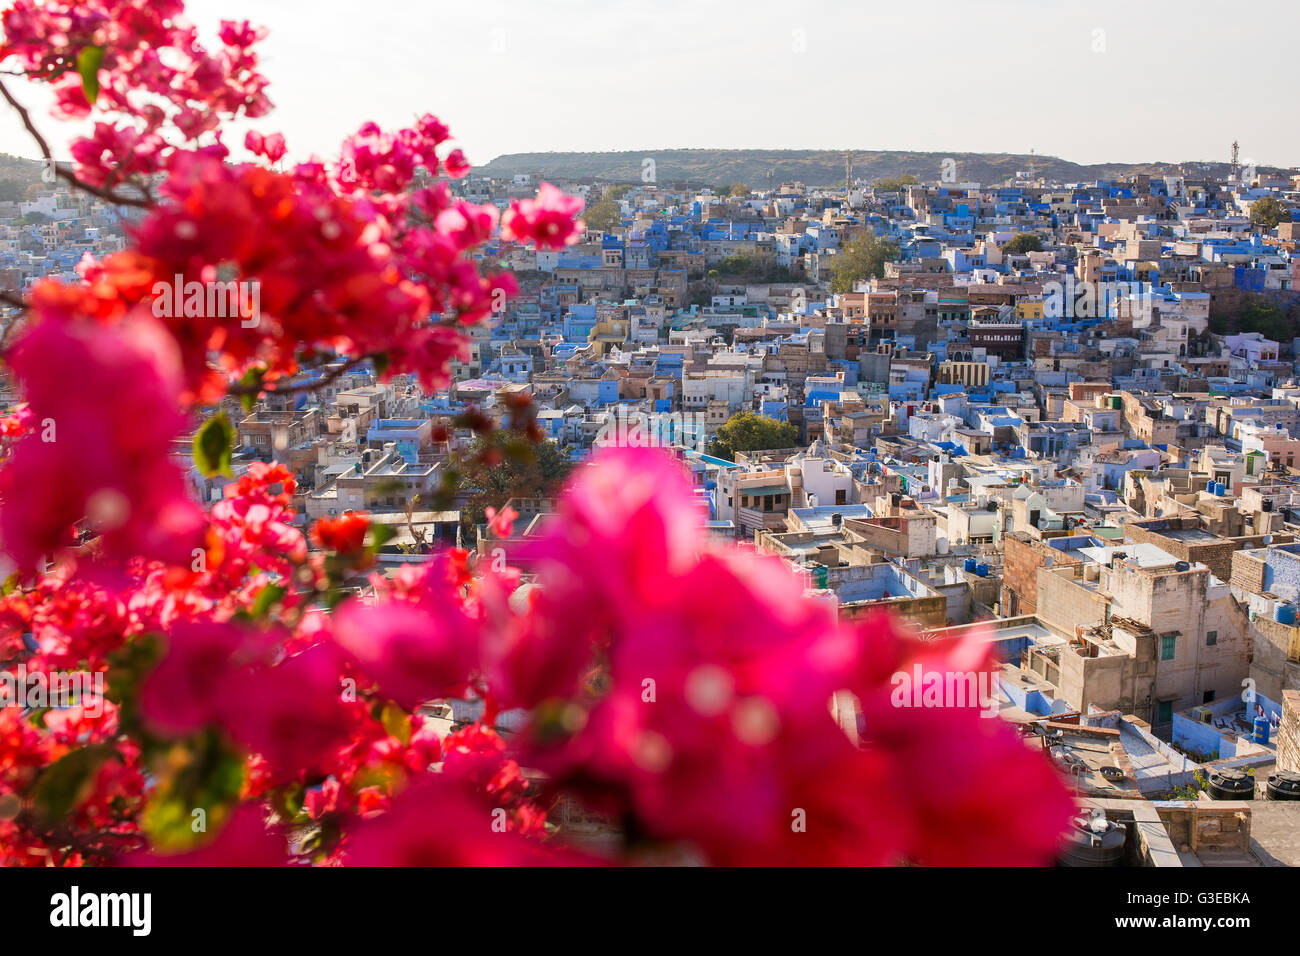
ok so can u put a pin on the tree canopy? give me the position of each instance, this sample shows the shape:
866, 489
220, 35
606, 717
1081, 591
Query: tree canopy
1266, 213
747, 431
1023, 242
895, 183
503, 465
602, 216
1258, 314
862, 257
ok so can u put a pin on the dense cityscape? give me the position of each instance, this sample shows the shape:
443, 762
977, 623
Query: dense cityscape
666, 508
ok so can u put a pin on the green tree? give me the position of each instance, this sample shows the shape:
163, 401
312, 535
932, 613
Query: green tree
1257, 314
1023, 242
862, 257
1266, 213
738, 189
503, 465
617, 192
602, 216
896, 183
747, 431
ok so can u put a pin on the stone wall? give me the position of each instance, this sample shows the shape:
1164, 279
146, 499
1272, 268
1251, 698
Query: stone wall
1216, 554
1200, 825
1248, 572
1288, 735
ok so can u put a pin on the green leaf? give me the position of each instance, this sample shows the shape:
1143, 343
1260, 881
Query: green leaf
128, 668
266, 599
68, 780
397, 723
251, 379
204, 774
88, 62
212, 446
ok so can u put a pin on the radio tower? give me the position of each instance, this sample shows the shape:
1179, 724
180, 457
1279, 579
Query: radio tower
1236, 169
848, 171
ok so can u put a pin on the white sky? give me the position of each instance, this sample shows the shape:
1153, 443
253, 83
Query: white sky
1086, 80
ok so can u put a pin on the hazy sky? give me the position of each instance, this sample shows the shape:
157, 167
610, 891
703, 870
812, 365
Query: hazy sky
1087, 81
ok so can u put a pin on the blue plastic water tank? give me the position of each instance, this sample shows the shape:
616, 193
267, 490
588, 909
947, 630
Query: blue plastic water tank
1285, 614
1223, 489
982, 570
969, 565
1261, 730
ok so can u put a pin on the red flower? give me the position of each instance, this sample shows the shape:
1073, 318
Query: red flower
345, 534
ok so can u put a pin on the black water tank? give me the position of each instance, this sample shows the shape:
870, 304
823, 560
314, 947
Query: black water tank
1284, 785
1094, 841
1231, 785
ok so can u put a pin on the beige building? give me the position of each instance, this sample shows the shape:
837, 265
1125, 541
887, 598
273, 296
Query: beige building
1153, 635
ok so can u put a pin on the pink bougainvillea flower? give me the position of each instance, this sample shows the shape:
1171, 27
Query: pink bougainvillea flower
293, 713
106, 461
434, 823
244, 840
456, 165
415, 653
712, 723
550, 221
957, 756
185, 691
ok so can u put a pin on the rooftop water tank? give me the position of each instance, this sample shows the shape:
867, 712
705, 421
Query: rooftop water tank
1261, 730
1285, 614
1284, 785
969, 565
1230, 784
982, 570
1094, 841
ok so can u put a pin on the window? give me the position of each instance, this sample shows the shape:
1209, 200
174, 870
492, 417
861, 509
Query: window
1207, 697
1164, 711
1167, 648
1211, 638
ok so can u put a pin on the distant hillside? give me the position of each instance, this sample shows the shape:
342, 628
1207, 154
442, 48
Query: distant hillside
759, 167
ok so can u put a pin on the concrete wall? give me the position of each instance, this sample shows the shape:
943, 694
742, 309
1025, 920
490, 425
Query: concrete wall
1065, 605
1022, 559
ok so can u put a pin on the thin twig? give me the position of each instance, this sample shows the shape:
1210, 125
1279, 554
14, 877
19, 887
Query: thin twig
13, 299
67, 175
